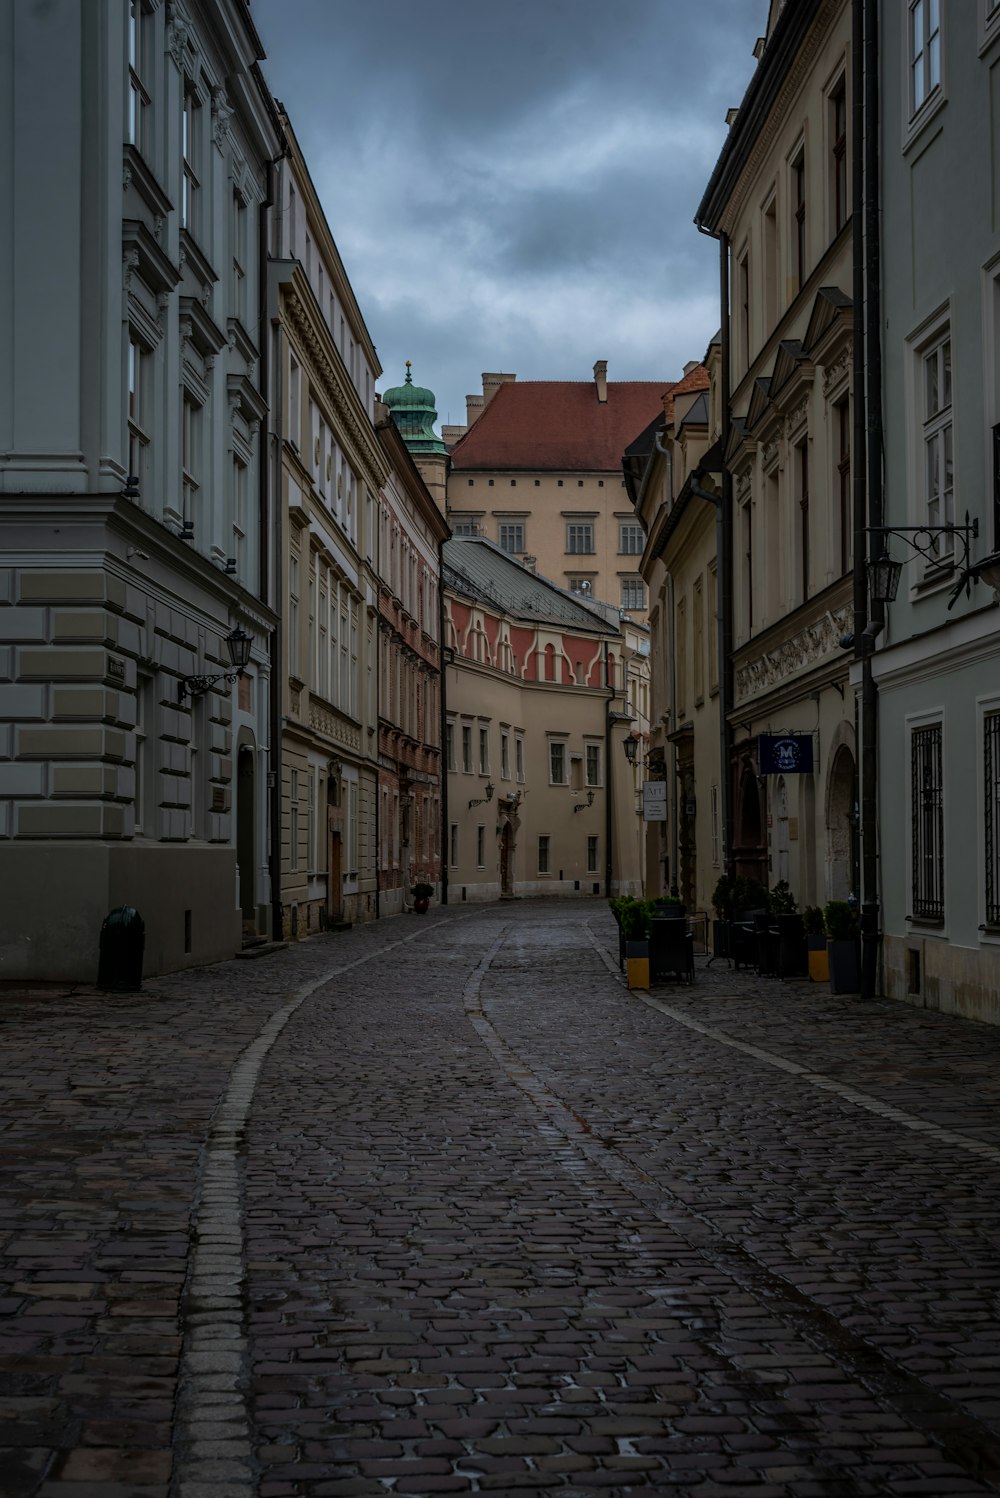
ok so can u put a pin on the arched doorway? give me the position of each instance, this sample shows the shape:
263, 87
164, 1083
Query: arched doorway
506, 858
841, 824
750, 848
246, 839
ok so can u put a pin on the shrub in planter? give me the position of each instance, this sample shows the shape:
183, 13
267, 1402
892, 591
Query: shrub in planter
819, 963
780, 900
841, 921
420, 894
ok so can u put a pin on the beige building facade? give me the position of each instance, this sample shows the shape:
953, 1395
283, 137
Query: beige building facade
779, 202
540, 794
330, 469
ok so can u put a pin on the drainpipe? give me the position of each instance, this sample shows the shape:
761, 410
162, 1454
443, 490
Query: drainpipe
442, 763
277, 643
867, 489
608, 819
668, 454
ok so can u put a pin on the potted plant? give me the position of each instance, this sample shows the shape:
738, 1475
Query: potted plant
421, 897
841, 921
819, 962
635, 918
785, 933
748, 900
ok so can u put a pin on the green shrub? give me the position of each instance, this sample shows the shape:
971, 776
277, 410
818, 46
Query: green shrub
840, 919
421, 891
812, 921
780, 900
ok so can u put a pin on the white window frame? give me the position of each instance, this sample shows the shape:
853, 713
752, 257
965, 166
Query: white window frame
930, 334
989, 23
986, 707
191, 133
519, 757
544, 855
593, 853
504, 754
916, 115
511, 537
594, 764
137, 113
580, 538
633, 588
931, 718
466, 748
631, 539
453, 846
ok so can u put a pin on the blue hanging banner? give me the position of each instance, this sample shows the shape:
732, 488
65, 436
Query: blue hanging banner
785, 753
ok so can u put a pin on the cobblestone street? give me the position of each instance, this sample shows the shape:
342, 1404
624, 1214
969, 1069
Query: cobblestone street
436, 1205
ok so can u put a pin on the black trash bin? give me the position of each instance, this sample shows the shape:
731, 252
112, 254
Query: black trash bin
123, 940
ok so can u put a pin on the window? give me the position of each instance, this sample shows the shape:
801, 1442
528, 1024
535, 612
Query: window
938, 458
293, 821
631, 539
593, 764
799, 219
519, 758
138, 96
143, 767
190, 441
802, 480
512, 537
743, 308
453, 845
543, 854
581, 585
713, 633
845, 506
593, 853
484, 751
480, 847
138, 403
991, 819
293, 616
557, 762
838, 155
239, 258
190, 128
294, 402
771, 264
714, 800
698, 640
927, 821
449, 745
505, 756
680, 647
465, 528
467, 748
925, 51
240, 484
633, 593
579, 538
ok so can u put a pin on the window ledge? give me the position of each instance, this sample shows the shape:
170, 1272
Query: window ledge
926, 922
918, 123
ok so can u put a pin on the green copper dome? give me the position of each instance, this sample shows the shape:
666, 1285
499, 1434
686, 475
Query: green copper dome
414, 412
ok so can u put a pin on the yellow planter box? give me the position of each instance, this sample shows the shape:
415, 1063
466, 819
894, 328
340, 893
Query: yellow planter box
819, 966
637, 972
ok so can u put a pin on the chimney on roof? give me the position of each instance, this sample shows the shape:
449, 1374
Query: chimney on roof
492, 383
473, 408
601, 380
691, 364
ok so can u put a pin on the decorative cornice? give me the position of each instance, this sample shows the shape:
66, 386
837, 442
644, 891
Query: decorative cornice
365, 443
816, 640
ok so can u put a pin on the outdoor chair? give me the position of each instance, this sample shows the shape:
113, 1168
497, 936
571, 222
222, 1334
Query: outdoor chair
671, 950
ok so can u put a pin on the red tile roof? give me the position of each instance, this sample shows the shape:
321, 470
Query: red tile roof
559, 426
695, 379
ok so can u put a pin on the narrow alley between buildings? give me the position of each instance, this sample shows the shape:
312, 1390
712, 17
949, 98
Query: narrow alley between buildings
437, 1205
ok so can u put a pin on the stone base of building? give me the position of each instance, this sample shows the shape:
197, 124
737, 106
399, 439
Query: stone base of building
935, 974
57, 894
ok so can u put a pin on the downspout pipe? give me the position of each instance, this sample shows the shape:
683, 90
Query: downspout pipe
668, 454
724, 562
608, 819
867, 489
277, 641
443, 696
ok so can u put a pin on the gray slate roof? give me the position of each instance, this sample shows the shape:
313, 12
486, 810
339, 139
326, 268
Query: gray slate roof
479, 569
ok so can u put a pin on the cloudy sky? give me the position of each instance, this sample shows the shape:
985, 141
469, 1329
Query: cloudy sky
512, 184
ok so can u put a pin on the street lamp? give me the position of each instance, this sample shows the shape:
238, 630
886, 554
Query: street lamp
238, 643
884, 572
631, 746
490, 788
582, 805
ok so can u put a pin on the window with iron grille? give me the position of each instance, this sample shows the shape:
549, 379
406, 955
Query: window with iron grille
991, 807
927, 821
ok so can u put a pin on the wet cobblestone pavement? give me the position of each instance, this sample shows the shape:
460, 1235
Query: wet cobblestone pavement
438, 1206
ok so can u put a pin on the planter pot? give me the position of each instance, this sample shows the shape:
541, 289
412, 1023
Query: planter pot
819, 961
720, 938
420, 906
845, 966
792, 961
637, 964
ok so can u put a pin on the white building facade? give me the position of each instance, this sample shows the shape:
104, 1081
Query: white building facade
135, 175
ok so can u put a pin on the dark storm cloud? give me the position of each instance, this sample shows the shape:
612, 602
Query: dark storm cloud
512, 186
